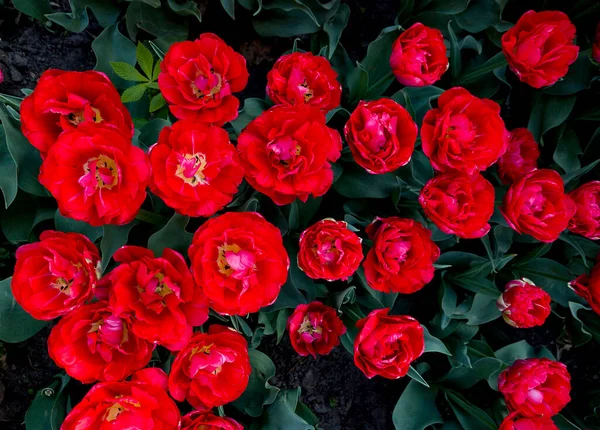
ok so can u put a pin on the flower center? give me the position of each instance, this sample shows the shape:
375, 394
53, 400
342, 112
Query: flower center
310, 330
78, 116
116, 409
62, 285
328, 250
306, 91
209, 86
191, 169
398, 251
98, 173
162, 289
461, 131
283, 150
232, 260
110, 330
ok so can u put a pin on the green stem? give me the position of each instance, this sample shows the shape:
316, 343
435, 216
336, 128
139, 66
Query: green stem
221, 411
151, 217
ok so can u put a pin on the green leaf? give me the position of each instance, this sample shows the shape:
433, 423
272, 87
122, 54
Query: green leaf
290, 295
515, 351
448, 7
376, 62
287, 18
49, 407
133, 94
549, 112
11, 100
17, 221
25, 156
383, 300
580, 76
586, 322
252, 109
67, 225
564, 424
335, 26
8, 179
480, 15
115, 236
551, 276
476, 284
157, 102
476, 73
185, 8
470, 416
127, 71
482, 310
34, 8
578, 173
466, 377
112, 46
357, 183
159, 22
433, 344
229, 6
173, 235
416, 376
420, 99
160, 54
77, 20
144, 59
259, 392
281, 414
416, 408
454, 53
567, 151
150, 131
16, 325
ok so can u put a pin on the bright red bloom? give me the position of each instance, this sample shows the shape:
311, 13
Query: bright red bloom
96, 175
459, 204
287, 153
153, 376
588, 287
386, 344
195, 168
239, 261
524, 305
123, 406
535, 387
540, 48
401, 259
212, 370
198, 78
55, 275
516, 422
303, 78
463, 133
158, 294
520, 157
586, 220
595, 46
329, 250
419, 56
315, 329
63, 100
537, 205
381, 135
92, 343
197, 420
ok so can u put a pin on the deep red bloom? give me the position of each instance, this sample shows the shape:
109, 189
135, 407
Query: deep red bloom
536, 204
595, 46
198, 78
386, 344
586, 220
239, 261
153, 376
195, 168
213, 369
540, 48
315, 329
520, 157
516, 422
92, 343
287, 153
463, 133
588, 287
303, 78
524, 305
197, 420
401, 259
63, 100
55, 275
459, 204
381, 135
124, 406
96, 175
419, 56
329, 250
535, 387
158, 294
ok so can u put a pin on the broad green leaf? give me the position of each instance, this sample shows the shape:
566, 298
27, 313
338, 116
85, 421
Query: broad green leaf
549, 112
454, 53
157, 102
416, 408
515, 351
159, 22
281, 414
290, 295
335, 26
150, 131
586, 322
115, 236
357, 183
144, 59
77, 20
480, 14
127, 71
25, 156
472, 75
564, 424
567, 151
67, 225
379, 71
466, 377
477, 285
8, 179
482, 310
251, 110
186, 8
17, 221
133, 94
16, 325
34, 8
11, 100
49, 407
383, 300
229, 6
580, 172
470, 416
112, 46
259, 392
286, 18
433, 344
580, 76
173, 235
448, 7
